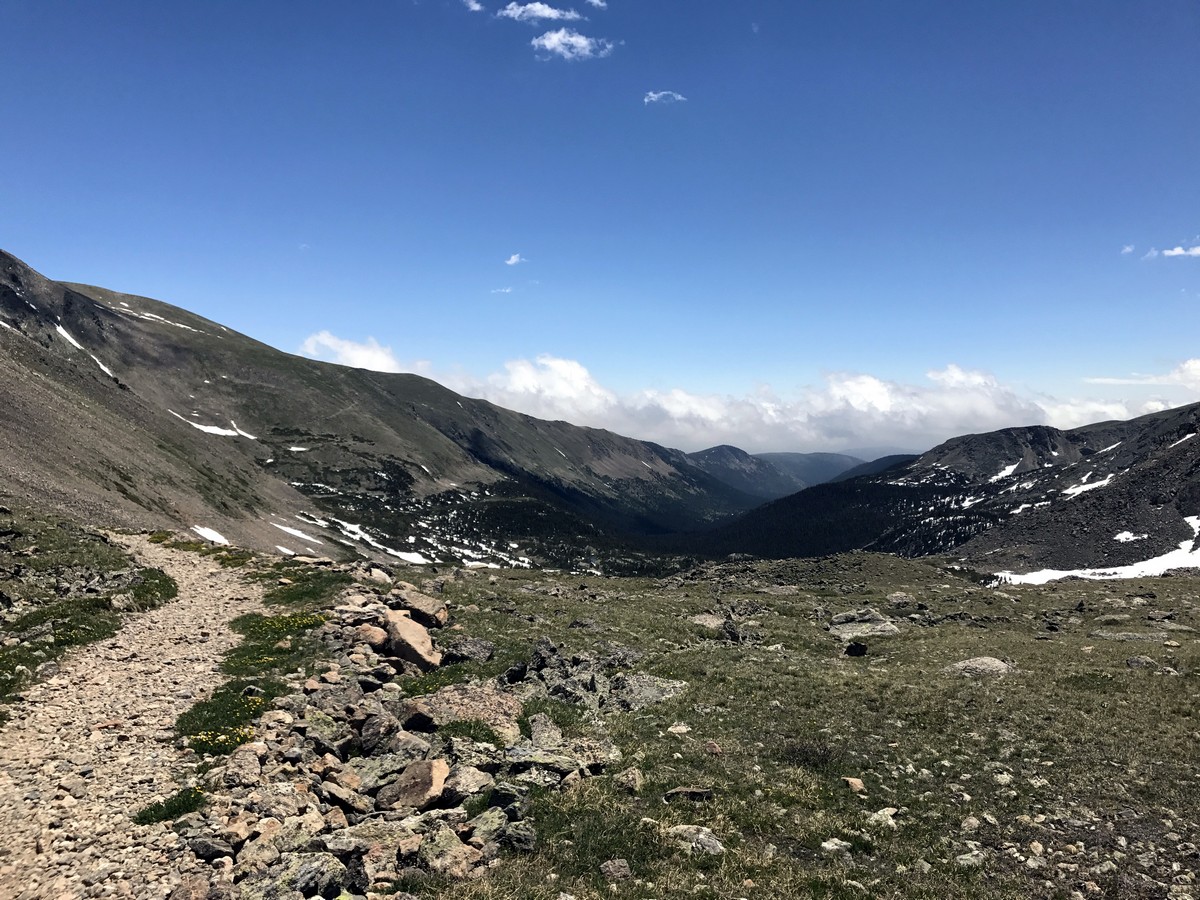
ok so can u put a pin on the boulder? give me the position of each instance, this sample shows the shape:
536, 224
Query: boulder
444, 854
419, 787
696, 839
410, 641
980, 667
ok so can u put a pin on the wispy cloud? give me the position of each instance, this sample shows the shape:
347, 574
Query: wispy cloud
599, 4
503, 290
473, 5
537, 12
663, 97
515, 259
1185, 375
1182, 251
570, 44
1127, 249
1150, 254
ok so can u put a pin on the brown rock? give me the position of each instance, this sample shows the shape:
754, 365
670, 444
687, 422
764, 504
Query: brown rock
482, 702
429, 611
372, 635
855, 784
419, 786
410, 641
193, 887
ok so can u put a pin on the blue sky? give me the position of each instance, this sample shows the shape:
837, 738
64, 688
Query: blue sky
784, 225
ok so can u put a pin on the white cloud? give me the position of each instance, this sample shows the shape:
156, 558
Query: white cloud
370, 354
515, 259
1150, 254
599, 4
571, 44
1182, 251
847, 409
1127, 249
1186, 375
503, 290
663, 97
473, 5
537, 12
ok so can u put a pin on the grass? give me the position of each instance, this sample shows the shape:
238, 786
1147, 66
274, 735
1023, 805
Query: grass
271, 646
1075, 751
219, 724
179, 804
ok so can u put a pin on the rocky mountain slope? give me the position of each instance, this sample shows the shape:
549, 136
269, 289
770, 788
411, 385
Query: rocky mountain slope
1114, 494
131, 411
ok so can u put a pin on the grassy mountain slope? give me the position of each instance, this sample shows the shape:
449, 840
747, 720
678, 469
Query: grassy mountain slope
147, 414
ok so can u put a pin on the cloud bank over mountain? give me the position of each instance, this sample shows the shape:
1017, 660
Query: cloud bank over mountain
848, 409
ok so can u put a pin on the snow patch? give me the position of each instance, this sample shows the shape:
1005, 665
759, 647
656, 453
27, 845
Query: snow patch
1183, 558
209, 535
207, 429
1186, 437
103, 368
296, 532
284, 550
298, 449
1021, 508
4, 324
1083, 486
74, 343
242, 433
1005, 472
1110, 447
1127, 537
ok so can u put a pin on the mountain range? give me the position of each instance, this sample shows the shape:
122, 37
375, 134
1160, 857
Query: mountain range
131, 412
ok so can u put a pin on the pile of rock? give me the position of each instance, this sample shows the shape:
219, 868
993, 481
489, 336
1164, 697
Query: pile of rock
353, 787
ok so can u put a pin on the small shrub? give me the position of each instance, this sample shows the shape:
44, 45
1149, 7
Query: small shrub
178, 804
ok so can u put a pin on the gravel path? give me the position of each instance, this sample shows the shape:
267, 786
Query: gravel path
91, 746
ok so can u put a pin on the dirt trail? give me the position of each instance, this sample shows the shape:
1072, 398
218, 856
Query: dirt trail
91, 746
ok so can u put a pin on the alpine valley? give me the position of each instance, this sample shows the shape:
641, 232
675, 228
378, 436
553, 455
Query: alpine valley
126, 411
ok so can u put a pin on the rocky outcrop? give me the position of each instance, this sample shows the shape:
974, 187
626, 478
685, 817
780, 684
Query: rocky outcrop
352, 785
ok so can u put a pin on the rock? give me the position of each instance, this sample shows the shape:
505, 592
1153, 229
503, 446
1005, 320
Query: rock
854, 784
520, 836
884, 818
855, 648
192, 887
428, 611
695, 794
242, 768
314, 874
543, 732
468, 649
679, 728
370, 837
616, 870
973, 859
410, 641
472, 701
465, 782
418, 787
444, 854
836, 847
709, 621
372, 635
696, 839
375, 771
488, 827
637, 691
980, 667
862, 623
208, 848
630, 779
1141, 662
970, 824
1126, 636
